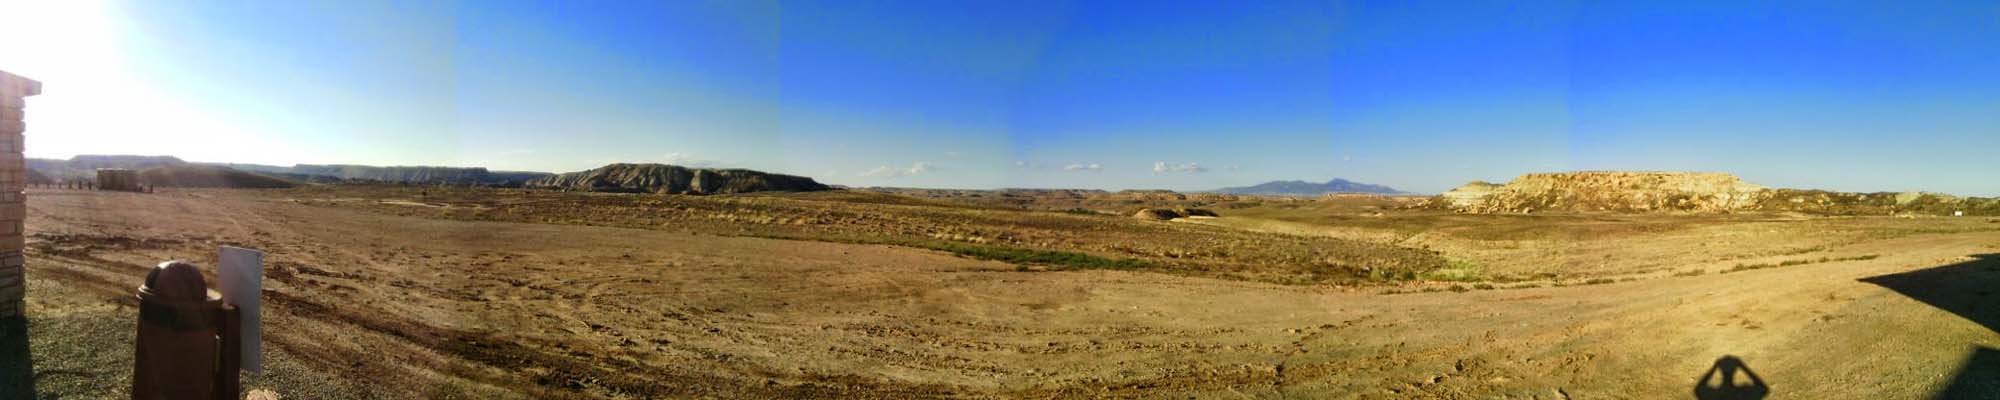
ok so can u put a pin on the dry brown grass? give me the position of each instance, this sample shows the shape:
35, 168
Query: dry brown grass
1055, 238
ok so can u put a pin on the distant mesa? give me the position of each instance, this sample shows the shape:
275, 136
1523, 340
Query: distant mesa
203, 176
1303, 188
415, 175
672, 179
83, 169
1687, 192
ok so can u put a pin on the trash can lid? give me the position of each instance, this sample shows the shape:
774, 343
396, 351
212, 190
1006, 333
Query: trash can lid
175, 281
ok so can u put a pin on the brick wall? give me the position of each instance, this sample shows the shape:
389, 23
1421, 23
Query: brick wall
13, 178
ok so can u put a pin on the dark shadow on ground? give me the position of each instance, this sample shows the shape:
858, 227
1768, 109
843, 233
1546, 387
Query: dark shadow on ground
1721, 382
1979, 378
17, 366
1972, 290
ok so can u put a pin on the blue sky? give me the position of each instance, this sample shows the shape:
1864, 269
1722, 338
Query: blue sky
1097, 94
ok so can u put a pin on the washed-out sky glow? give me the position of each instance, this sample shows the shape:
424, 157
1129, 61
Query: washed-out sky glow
1423, 96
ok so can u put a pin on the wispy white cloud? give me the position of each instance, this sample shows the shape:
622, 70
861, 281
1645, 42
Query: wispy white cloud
688, 161
517, 153
1093, 167
1163, 167
885, 171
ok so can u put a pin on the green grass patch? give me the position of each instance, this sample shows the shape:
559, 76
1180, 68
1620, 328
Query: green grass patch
1456, 271
1063, 259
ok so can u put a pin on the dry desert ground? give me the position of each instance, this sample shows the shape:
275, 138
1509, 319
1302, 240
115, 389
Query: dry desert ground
408, 292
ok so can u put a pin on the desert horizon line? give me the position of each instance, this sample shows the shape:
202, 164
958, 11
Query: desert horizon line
1240, 185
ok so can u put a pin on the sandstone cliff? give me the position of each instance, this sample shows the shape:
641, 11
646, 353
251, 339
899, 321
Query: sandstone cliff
661, 178
1608, 191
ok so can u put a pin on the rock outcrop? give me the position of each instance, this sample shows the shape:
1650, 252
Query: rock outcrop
1470, 195
671, 179
1608, 191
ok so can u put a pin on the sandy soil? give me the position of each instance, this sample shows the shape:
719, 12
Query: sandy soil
371, 304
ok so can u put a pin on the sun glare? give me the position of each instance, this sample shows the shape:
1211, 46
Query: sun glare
95, 100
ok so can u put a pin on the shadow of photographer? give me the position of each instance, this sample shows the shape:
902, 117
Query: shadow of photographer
1720, 383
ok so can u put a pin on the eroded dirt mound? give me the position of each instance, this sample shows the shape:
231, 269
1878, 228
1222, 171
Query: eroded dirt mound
197, 176
1608, 191
661, 178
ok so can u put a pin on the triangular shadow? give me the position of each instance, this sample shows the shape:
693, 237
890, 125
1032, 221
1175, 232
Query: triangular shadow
1972, 290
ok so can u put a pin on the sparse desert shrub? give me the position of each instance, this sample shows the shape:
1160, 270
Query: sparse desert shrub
1747, 267
1599, 281
1483, 286
1459, 289
1692, 272
1789, 263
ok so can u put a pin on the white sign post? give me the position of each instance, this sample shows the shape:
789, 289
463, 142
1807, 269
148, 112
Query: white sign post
242, 284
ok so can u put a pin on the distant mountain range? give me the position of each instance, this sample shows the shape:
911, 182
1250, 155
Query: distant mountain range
84, 168
1303, 188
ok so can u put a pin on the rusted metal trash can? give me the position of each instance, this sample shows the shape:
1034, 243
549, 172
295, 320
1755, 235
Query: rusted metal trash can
184, 332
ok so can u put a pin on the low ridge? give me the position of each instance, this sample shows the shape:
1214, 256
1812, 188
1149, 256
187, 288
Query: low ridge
203, 176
